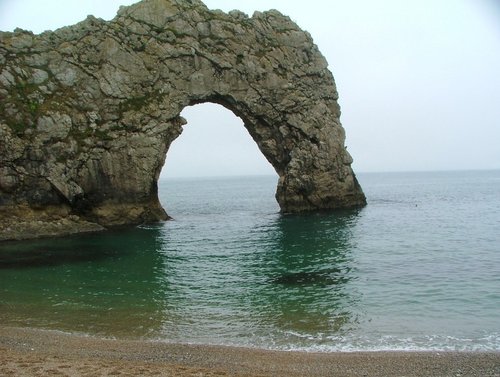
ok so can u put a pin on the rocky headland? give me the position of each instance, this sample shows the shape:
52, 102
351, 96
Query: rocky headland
88, 112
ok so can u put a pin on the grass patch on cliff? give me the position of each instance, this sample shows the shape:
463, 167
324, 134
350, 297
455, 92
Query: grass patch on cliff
139, 102
21, 107
133, 104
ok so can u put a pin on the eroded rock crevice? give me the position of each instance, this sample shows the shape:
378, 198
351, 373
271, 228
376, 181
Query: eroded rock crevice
88, 112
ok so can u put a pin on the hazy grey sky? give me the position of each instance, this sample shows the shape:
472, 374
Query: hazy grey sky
419, 81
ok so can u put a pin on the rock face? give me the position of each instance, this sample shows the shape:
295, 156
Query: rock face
88, 112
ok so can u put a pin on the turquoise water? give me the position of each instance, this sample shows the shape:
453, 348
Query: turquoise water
418, 269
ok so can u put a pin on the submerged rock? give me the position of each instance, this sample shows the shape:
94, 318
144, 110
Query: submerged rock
88, 112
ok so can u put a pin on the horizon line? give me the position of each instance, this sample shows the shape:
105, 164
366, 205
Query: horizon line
243, 175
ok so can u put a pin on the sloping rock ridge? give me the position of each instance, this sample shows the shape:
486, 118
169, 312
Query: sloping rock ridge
88, 112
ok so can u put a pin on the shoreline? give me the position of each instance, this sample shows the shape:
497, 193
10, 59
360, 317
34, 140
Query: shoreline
31, 352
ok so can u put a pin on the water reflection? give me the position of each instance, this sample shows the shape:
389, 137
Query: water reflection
257, 277
309, 265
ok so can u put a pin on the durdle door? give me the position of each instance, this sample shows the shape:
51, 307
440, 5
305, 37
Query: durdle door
88, 112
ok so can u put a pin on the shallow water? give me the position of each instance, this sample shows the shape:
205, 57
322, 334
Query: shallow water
418, 268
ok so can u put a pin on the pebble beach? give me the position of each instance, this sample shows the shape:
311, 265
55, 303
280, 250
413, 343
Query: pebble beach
31, 352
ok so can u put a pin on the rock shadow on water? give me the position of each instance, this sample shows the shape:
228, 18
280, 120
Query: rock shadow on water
326, 277
53, 252
40, 254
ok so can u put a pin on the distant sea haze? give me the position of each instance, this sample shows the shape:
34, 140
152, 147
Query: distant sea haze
416, 269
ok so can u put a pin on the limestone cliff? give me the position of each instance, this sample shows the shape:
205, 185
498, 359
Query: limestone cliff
88, 112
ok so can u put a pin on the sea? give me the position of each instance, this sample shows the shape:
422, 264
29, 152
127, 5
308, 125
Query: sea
418, 268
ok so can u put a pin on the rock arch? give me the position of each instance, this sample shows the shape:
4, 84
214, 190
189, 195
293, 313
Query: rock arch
89, 111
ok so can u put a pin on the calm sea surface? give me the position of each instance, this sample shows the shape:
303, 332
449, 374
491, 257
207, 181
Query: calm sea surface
418, 269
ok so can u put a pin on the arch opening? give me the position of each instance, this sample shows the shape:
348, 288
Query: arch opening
214, 144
